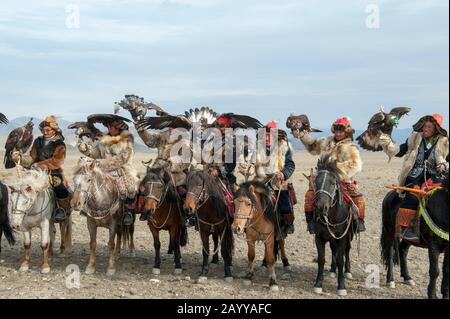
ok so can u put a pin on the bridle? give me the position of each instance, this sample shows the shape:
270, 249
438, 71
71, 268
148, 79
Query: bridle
335, 191
150, 195
26, 212
201, 198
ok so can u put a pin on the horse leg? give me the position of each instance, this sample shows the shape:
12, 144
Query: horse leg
175, 240
111, 249
270, 258
132, 247
340, 253
1, 235
62, 231
390, 268
27, 247
118, 249
52, 240
205, 253
333, 260
46, 234
215, 259
347, 263
444, 285
284, 259
157, 245
433, 255
403, 251
251, 258
320, 245
90, 269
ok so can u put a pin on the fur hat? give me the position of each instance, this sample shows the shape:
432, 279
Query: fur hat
50, 121
436, 119
343, 122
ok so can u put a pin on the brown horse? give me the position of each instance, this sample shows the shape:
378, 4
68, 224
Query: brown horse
256, 217
206, 200
162, 206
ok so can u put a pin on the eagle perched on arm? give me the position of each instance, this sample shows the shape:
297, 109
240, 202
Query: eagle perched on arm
299, 124
86, 129
19, 140
381, 123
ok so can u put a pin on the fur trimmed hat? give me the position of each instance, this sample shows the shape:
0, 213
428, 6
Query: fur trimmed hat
343, 123
50, 121
436, 119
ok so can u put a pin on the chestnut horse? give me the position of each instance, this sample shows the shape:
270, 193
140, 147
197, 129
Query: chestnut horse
161, 204
256, 217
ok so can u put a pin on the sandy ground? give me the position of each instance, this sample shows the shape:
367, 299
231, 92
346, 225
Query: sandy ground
134, 277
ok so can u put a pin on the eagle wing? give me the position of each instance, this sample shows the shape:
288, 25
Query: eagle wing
3, 119
163, 122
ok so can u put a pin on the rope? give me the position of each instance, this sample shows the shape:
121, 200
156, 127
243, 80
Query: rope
165, 222
428, 220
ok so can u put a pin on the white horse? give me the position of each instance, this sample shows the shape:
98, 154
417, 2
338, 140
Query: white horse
31, 206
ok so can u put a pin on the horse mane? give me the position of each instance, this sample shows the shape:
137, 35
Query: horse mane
328, 163
265, 193
213, 186
171, 191
38, 179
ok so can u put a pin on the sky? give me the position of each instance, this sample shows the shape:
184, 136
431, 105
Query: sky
263, 58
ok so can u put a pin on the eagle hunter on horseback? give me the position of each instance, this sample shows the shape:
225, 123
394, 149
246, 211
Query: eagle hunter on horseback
417, 212
344, 152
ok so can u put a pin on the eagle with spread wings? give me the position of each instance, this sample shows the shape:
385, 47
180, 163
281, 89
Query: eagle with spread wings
137, 107
204, 116
3, 119
19, 140
88, 129
381, 123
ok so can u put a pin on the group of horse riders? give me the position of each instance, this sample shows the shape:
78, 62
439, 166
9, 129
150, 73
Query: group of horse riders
425, 156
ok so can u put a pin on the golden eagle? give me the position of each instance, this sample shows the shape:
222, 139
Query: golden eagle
19, 140
381, 123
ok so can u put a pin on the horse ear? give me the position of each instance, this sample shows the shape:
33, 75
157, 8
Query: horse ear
251, 189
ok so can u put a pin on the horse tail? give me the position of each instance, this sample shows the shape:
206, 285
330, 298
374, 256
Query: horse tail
125, 232
4, 211
68, 235
276, 248
387, 239
228, 238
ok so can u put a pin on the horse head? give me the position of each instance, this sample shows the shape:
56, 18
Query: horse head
196, 192
246, 203
154, 188
83, 180
327, 186
24, 195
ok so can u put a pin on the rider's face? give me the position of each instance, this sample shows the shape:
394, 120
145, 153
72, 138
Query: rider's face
113, 130
48, 132
339, 134
429, 129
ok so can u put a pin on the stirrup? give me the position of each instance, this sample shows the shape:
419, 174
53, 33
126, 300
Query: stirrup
59, 215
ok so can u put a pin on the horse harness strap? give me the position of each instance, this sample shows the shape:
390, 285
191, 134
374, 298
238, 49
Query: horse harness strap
43, 209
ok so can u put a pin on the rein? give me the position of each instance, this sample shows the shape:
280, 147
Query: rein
16, 211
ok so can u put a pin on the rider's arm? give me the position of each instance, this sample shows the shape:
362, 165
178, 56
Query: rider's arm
314, 146
151, 140
289, 165
88, 150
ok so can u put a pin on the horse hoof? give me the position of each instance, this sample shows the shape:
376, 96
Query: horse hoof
111, 272
202, 279
391, 284
318, 290
410, 282
45, 270
178, 271
342, 292
156, 271
24, 269
332, 274
90, 271
229, 279
274, 288
247, 283
349, 275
